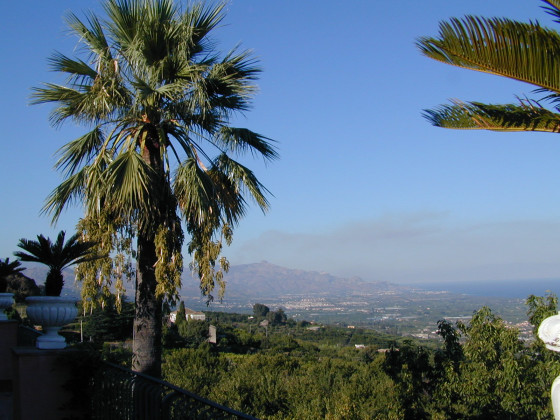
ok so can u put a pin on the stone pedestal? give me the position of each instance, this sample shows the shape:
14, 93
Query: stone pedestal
8, 339
38, 385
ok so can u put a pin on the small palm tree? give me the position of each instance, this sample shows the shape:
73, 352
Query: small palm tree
57, 256
8, 268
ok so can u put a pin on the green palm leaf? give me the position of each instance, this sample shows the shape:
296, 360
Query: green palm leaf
79, 151
243, 179
128, 181
242, 140
521, 51
194, 190
71, 190
510, 117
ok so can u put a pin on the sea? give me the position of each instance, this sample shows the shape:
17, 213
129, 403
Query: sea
520, 289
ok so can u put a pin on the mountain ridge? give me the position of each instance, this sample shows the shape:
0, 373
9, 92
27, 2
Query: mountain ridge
265, 279
256, 280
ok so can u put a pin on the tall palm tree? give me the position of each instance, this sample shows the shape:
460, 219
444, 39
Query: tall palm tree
158, 100
57, 256
522, 51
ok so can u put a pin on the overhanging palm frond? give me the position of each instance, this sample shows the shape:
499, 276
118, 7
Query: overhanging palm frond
521, 51
553, 8
510, 117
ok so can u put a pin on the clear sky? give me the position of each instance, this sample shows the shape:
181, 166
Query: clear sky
365, 186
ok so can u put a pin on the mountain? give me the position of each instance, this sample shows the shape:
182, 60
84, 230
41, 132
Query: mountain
257, 280
268, 280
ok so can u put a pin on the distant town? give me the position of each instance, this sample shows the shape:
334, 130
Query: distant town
401, 312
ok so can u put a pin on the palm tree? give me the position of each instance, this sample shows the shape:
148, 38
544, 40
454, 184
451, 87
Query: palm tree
8, 268
57, 256
521, 51
158, 101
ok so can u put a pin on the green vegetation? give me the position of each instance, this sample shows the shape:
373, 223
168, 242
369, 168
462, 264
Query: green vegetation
480, 369
108, 324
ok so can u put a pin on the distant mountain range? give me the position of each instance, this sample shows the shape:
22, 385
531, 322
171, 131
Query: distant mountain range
258, 280
268, 280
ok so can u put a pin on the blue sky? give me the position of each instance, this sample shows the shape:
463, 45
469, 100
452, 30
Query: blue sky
365, 186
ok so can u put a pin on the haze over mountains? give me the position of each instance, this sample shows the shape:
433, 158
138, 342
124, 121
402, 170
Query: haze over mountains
268, 280
255, 281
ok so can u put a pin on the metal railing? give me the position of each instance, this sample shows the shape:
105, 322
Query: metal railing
119, 393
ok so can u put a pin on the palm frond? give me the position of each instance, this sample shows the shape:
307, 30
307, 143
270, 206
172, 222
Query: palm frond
77, 69
91, 34
228, 199
79, 151
57, 255
73, 251
553, 8
194, 190
197, 23
129, 183
243, 178
510, 117
82, 104
521, 51
69, 191
124, 18
242, 140
8, 268
37, 251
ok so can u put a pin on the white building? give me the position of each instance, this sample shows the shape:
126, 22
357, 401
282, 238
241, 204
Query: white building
190, 314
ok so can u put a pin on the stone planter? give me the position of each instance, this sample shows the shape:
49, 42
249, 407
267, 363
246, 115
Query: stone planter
6, 300
52, 313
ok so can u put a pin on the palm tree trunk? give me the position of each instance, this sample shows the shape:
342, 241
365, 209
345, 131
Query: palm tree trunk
146, 346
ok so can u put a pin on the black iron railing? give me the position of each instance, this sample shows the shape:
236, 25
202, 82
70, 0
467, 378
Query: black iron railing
122, 394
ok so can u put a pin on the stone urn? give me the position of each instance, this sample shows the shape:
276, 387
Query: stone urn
52, 313
6, 300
